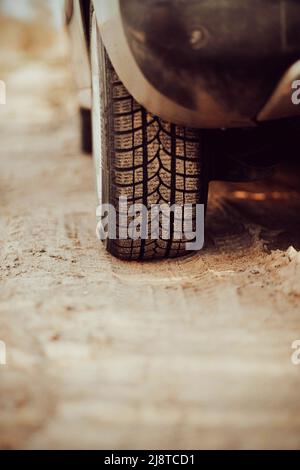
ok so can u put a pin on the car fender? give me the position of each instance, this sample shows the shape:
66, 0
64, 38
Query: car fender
116, 42
188, 97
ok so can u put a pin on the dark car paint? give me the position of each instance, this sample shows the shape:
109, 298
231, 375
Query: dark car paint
236, 51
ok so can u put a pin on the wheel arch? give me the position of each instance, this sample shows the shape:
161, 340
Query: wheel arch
206, 111
178, 89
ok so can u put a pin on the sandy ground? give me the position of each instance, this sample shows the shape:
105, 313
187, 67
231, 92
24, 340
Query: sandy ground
194, 353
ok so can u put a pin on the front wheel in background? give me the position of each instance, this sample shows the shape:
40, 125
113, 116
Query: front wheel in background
86, 130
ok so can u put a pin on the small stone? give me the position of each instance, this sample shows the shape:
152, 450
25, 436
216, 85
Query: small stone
293, 255
255, 271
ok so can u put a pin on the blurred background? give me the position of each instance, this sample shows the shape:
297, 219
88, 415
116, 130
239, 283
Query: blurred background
29, 25
35, 64
30, 10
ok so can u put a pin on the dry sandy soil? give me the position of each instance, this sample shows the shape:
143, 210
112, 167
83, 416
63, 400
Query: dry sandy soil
194, 353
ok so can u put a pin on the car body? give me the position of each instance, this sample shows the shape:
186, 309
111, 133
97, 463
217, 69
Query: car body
206, 88
201, 63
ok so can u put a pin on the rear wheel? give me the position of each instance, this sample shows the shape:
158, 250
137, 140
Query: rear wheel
143, 158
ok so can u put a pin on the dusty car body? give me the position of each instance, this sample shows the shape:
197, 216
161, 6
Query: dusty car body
209, 63
198, 64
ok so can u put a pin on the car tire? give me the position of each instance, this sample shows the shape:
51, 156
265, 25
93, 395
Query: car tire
141, 157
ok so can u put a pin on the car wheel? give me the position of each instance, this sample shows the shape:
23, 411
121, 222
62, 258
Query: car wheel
86, 130
140, 157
